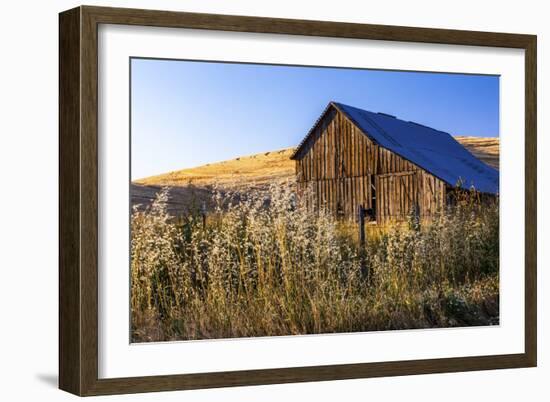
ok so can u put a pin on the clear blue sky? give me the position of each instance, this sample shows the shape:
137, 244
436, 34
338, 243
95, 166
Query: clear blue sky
187, 113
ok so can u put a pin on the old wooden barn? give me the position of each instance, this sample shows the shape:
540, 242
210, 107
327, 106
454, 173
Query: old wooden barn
353, 159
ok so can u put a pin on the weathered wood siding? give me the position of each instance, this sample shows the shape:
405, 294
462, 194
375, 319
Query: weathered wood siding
339, 168
400, 194
336, 168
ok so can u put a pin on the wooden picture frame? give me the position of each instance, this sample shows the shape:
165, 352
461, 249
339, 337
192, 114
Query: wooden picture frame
78, 200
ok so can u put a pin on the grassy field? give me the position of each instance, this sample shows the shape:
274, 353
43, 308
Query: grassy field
275, 268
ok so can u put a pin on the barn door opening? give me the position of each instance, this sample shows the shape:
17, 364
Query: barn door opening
371, 212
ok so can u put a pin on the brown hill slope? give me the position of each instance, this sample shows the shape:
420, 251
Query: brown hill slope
258, 169
485, 148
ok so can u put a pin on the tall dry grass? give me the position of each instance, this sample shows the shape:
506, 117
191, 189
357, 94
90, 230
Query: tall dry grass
267, 266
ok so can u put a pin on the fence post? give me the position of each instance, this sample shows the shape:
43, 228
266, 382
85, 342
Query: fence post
361, 215
203, 215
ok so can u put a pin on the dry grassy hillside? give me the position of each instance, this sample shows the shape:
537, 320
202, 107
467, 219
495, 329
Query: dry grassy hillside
249, 170
190, 187
487, 149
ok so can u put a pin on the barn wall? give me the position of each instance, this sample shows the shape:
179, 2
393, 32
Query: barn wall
400, 194
336, 167
392, 163
341, 197
339, 167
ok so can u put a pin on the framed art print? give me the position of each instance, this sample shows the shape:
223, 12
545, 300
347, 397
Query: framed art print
254, 201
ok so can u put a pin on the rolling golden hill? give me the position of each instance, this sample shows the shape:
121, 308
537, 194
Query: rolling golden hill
486, 149
257, 169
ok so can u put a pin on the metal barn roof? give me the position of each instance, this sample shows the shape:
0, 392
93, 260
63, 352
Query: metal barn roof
434, 151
